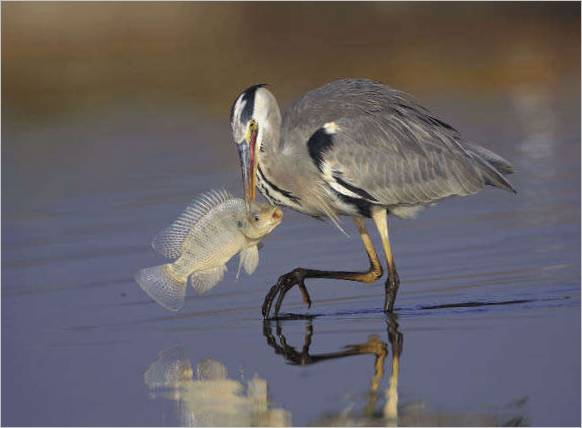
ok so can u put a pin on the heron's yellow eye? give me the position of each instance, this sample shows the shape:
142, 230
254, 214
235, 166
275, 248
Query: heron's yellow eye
252, 128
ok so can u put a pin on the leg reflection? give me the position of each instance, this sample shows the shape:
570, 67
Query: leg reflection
373, 346
396, 340
382, 407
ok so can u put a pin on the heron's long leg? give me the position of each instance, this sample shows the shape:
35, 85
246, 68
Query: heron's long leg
298, 275
380, 217
371, 275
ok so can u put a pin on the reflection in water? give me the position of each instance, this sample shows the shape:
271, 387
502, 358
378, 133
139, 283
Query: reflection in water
534, 110
212, 398
391, 413
206, 396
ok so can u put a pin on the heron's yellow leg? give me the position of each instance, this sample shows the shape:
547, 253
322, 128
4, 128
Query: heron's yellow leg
381, 220
375, 271
297, 276
380, 217
371, 275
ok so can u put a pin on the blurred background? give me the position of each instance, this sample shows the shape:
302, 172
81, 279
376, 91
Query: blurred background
115, 114
64, 58
166, 66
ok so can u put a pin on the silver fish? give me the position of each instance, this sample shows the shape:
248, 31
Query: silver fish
212, 230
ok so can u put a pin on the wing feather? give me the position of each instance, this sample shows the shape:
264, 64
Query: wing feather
397, 165
388, 145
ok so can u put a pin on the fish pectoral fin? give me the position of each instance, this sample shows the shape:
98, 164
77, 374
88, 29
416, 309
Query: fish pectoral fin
204, 280
248, 259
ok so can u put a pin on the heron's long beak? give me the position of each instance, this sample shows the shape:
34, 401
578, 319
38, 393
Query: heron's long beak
248, 164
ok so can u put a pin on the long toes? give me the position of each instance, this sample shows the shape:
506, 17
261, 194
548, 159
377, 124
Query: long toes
266, 306
287, 278
305, 294
283, 285
268, 302
280, 298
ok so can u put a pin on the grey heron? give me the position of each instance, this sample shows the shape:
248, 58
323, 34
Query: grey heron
359, 148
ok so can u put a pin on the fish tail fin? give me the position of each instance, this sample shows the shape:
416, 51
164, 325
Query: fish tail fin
162, 287
204, 280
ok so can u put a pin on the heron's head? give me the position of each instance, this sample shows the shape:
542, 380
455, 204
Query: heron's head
255, 119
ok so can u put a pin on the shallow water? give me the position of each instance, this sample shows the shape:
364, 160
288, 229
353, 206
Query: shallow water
488, 324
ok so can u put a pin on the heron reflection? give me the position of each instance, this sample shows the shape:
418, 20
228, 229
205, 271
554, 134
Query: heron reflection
371, 415
206, 396
377, 411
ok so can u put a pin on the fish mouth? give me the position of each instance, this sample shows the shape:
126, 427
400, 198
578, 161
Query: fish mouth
277, 215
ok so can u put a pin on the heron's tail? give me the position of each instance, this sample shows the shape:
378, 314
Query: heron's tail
492, 167
162, 287
500, 164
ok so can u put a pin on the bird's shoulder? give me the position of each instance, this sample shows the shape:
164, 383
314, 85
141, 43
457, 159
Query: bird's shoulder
368, 110
344, 97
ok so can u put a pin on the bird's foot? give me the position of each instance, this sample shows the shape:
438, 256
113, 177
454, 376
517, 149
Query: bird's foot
282, 348
294, 278
391, 289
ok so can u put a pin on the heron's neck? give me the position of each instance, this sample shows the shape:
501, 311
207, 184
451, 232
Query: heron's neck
270, 141
274, 180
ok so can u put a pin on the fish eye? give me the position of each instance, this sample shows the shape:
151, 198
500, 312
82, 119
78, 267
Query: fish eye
256, 217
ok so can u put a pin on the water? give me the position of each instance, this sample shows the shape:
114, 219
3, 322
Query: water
488, 325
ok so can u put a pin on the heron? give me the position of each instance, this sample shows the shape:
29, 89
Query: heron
359, 148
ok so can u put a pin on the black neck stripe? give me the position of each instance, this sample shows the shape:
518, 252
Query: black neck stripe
277, 189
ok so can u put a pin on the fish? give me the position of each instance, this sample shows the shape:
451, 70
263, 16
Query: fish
214, 228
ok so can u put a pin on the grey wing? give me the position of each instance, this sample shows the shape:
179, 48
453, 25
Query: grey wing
396, 160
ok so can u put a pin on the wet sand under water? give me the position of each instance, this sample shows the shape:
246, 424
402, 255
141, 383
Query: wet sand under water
488, 324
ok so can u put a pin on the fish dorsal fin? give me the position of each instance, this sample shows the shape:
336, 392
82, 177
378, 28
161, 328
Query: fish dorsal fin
248, 259
203, 280
169, 241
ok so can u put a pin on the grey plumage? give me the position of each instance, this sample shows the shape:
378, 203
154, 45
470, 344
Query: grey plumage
358, 148
380, 147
